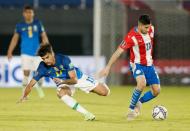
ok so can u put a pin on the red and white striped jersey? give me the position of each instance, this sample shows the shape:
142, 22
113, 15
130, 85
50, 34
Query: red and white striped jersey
140, 46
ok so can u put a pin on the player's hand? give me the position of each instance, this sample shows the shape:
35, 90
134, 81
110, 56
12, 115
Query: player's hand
57, 80
104, 72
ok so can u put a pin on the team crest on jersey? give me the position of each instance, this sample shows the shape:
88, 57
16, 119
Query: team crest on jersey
35, 28
49, 72
138, 72
23, 29
55, 68
61, 66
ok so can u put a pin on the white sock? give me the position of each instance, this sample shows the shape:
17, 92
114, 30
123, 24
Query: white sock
72, 103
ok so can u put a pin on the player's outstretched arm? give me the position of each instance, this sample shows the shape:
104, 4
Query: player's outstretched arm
114, 57
14, 42
27, 90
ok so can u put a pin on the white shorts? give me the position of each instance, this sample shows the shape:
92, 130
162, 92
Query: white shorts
85, 83
30, 62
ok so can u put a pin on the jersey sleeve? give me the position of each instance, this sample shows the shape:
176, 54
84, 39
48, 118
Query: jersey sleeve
39, 73
68, 64
151, 31
18, 29
41, 27
127, 42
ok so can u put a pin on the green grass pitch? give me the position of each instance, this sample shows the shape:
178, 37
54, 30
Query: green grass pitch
51, 114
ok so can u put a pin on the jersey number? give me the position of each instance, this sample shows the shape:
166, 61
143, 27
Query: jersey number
30, 33
148, 46
90, 80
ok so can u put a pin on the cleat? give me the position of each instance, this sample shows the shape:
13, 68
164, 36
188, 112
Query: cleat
138, 108
89, 117
131, 115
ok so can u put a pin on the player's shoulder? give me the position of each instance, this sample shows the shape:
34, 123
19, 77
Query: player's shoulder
132, 32
20, 24
42, 66
62, 56
151, 29
36, 22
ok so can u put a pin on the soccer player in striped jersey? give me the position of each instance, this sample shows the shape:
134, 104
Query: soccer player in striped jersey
139, 41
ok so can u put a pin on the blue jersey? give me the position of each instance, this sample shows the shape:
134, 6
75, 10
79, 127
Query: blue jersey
30, 36
60, 70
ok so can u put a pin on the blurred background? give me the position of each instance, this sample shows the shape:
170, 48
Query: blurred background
91, 30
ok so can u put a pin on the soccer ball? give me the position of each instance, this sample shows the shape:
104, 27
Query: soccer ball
159, 112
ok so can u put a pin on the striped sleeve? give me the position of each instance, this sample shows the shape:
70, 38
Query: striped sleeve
127, 42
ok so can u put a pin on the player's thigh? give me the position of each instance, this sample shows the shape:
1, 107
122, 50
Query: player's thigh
139, 75
141, 82
65, 90
26, 61
86, 83
152, 76
101, 89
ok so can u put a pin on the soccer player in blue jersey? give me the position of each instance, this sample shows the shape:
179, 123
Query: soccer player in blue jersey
29, 32
67, 78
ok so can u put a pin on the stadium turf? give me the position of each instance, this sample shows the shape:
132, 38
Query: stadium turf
50, 114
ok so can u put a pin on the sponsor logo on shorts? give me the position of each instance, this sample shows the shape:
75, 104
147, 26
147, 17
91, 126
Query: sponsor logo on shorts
138, 72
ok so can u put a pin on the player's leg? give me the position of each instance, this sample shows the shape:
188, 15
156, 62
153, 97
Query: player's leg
36, 61
154, 82
65, 94
151, 94
101, 89
26, 74
25, 63
39, 89
138, 73
141, 84
89, 84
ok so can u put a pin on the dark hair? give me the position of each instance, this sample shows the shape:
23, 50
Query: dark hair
27, 7
144, 19
44, 49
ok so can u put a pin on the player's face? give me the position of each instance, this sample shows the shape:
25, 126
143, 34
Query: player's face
49, 59
28, 14
144, 28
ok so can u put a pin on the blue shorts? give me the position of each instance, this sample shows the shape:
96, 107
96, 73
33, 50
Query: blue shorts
148, 71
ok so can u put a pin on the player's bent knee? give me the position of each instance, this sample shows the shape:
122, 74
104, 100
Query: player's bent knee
106, 90
102, 89
64, 91
156, 91
141, 85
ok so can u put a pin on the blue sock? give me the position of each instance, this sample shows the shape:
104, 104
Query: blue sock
135, 98
147, 97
